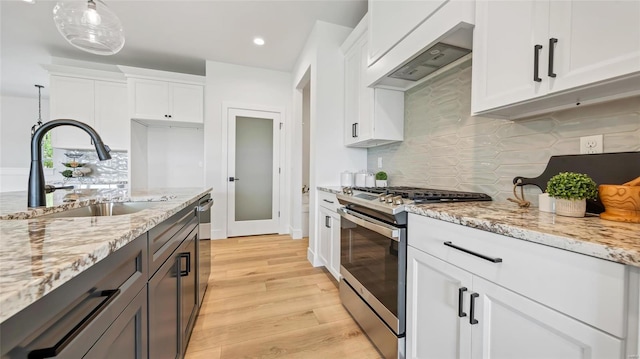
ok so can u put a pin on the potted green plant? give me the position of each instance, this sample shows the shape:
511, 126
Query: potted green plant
381, 179
571, 190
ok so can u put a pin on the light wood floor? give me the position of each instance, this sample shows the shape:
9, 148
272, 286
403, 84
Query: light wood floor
265, 300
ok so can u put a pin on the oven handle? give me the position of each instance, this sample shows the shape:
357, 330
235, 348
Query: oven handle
368, 223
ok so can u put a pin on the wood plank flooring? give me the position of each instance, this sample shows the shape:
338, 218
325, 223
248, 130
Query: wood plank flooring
265, 300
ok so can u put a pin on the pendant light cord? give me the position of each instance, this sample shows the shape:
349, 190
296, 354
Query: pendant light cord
39, 123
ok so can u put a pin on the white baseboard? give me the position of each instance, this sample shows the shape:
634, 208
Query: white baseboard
218, 234
313, 258
296, 233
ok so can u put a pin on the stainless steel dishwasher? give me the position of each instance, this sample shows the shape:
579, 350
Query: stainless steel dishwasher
204, 244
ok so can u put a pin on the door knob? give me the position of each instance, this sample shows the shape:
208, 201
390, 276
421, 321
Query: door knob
232, 179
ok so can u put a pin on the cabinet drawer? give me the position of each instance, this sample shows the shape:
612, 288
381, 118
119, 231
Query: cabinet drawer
589, 289
81, 310
328, 200
166, 237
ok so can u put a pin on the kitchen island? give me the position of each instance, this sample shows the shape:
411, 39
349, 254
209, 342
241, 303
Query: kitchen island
77, 286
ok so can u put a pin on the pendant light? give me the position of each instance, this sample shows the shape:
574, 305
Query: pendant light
90, 26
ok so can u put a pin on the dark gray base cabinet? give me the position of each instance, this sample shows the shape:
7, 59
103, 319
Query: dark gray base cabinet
172, 295
127, 336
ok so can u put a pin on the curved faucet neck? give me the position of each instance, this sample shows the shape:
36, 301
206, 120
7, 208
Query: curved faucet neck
36, 192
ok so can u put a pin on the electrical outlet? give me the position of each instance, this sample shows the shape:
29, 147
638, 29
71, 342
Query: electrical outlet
591, 144
379, 162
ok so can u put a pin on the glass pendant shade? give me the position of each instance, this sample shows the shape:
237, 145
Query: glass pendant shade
90, 26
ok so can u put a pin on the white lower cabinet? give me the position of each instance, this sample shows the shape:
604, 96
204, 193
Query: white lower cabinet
464, 299
329, 233
513, 326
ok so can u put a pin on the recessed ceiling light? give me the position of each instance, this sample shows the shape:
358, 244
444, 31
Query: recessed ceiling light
30, 1
258, 41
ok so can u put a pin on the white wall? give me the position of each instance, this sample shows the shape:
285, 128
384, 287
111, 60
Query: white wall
306, 133
175, 157
323, 62
17, 115
227, 83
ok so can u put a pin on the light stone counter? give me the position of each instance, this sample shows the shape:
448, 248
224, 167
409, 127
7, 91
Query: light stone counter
614, 241
39, 255
330, 189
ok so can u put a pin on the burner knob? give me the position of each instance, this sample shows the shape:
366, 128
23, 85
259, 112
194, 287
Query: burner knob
347, 190
382, 197
389, 198
398, 200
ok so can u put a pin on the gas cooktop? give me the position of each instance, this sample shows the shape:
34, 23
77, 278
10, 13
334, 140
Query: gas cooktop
392, 199
425, 195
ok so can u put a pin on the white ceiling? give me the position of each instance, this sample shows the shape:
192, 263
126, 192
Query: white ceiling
176, 35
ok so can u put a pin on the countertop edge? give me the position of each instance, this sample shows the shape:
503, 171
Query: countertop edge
610, 253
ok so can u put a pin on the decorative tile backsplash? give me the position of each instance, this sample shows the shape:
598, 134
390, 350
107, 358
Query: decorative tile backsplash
113, 171
446, 148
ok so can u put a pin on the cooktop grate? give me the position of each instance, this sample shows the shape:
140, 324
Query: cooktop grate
425, 195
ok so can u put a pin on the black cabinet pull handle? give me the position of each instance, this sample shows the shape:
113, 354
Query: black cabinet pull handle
327, 221
353, 130
552, 42
536, 63
55, 350
472, 310
326, 200
184, 273
356, 124
490, 259
461, 291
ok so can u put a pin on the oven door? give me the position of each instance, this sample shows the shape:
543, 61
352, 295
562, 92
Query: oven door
373, 262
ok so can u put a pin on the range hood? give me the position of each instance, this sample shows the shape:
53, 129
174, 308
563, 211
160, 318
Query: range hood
431, 60
440, 42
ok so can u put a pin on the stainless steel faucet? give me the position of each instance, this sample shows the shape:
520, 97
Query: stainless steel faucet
36, 196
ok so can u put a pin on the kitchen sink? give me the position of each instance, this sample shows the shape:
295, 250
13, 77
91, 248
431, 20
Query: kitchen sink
103, 209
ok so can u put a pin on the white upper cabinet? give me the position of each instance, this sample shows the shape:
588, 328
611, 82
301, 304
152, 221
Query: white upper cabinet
391, 20
164, 100
373, 117
531, 57
111, 118
100, 104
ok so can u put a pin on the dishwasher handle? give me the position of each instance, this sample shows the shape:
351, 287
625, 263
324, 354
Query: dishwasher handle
205, 206
371, 224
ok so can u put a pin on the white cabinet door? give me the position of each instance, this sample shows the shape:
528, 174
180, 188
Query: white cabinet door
597, 40
372, 116
324, 241
150, 99
334, 266
512, 326
111, 117
391, 20
352, 84
187, 102
504, 41
329, 240
437, 321
71, 98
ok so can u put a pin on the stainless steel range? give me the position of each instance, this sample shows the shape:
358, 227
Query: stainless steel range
373, 257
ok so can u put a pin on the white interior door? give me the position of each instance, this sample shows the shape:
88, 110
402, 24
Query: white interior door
253, 172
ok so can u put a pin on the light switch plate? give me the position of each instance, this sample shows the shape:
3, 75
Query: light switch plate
591, 144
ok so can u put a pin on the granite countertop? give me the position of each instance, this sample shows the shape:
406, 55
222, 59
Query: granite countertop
38, 255
330, 189
614, 241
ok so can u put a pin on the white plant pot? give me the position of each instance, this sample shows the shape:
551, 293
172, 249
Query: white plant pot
381, 183
571, 208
